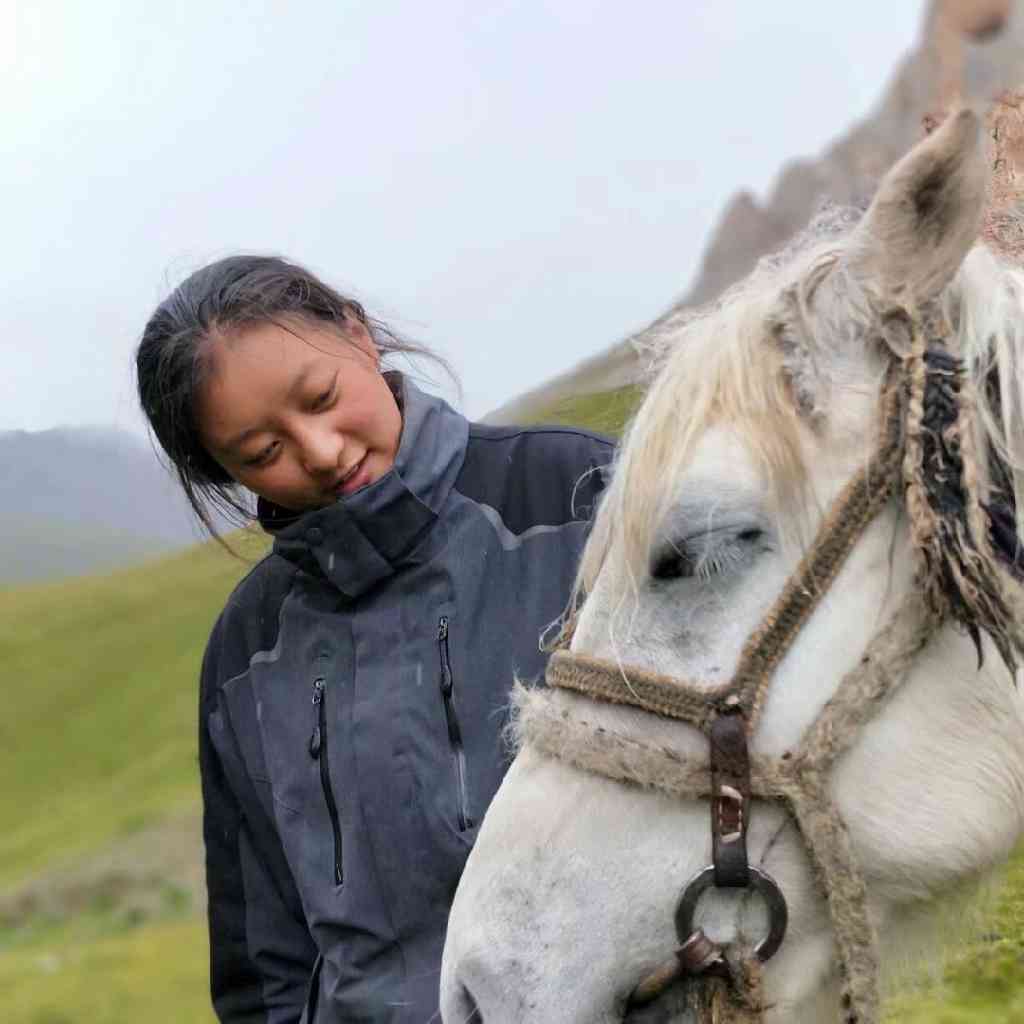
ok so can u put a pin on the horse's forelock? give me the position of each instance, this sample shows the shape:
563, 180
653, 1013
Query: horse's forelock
721, 368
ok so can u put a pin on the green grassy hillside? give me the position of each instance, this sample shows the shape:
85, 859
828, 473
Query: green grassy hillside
101, 897
606, 413
100, 878
99, 704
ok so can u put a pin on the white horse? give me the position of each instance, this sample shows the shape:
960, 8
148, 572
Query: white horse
765, 407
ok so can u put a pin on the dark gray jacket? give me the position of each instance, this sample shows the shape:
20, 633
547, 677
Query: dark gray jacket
353, 699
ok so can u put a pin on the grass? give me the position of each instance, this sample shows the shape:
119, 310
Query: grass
984, 982
98, 734
100, 792
156, 974
605, 412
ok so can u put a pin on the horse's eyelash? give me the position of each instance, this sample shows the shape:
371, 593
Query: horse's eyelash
714, 563
707, 568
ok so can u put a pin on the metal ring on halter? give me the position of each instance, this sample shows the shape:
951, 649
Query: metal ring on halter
778, 913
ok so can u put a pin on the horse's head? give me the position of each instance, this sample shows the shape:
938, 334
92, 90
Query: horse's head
766, 406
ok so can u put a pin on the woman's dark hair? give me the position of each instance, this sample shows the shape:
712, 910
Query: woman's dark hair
232, 293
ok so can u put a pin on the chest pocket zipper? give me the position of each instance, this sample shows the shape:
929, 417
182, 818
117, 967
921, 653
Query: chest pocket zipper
452, 720
318, 751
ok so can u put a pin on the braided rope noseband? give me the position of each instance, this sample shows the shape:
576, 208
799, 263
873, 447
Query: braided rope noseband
800, 778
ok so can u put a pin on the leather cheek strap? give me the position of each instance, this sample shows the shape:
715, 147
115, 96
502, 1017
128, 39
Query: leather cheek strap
730, 798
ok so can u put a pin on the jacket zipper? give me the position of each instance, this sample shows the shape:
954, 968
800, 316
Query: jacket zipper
452, 718
318, 751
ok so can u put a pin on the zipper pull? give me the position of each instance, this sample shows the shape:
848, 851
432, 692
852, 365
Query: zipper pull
446, 671
315, 739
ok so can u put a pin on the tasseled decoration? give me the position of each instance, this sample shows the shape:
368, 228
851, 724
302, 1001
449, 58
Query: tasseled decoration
958, 530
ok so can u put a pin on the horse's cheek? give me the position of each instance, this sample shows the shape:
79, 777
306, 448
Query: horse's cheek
949, 748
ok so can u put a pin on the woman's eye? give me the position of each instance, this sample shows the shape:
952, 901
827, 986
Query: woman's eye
261, 458
324, 398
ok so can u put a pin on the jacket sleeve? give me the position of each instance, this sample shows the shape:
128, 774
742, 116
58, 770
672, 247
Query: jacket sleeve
261, 952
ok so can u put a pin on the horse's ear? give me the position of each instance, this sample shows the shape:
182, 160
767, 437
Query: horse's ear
926, 215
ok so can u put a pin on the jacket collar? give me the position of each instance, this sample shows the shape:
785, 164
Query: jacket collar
364, 538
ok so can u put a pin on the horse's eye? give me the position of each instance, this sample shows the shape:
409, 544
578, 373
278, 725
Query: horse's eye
672, 564
714, 553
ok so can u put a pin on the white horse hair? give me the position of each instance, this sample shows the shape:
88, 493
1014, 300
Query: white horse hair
763, 408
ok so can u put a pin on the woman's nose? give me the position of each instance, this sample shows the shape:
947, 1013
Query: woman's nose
321, 451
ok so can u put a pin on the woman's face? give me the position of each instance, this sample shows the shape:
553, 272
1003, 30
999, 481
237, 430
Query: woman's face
300, 416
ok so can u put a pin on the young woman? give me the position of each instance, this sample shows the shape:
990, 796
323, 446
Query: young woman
353, 688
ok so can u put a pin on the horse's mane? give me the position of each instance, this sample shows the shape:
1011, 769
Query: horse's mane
725, 363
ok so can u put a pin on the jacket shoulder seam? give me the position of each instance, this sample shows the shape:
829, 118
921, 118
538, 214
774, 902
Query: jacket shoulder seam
217, 685
508, 538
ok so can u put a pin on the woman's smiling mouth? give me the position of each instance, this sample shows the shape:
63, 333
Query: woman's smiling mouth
353, 479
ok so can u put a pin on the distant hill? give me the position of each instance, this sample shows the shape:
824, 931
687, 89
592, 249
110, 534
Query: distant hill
77, 500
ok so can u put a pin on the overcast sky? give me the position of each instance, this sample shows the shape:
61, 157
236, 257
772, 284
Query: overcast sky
517, 184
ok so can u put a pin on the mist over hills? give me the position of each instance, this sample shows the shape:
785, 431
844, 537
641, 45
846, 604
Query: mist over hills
76, 500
